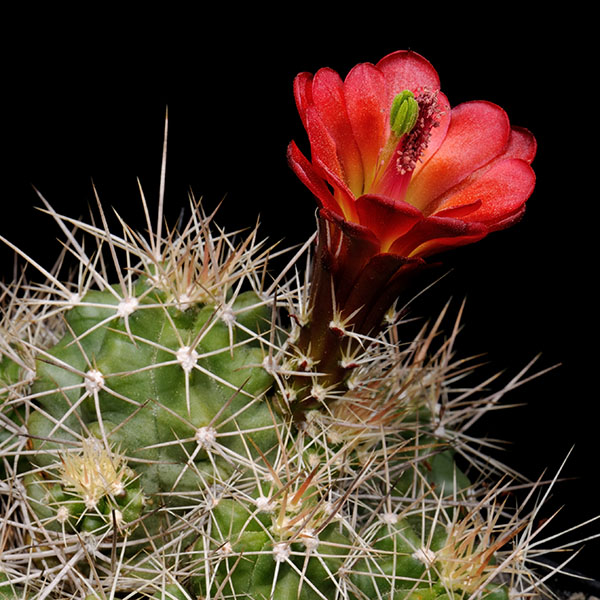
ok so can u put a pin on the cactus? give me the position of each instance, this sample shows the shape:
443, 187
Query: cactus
181, 422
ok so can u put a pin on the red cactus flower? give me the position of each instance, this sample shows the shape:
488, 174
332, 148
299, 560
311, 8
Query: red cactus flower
398, 176
391, 164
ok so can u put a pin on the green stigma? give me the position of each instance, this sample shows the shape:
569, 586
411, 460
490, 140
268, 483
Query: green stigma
404, 113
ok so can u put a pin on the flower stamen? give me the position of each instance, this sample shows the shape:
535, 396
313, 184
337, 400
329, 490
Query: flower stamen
417, 139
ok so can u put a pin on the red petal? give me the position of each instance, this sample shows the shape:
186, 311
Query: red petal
303, 94
386, 218
407, 70
322, 144
329, 101
441, 244
352, 230
509, 220
478, 132
366, 98
325, 161
459, 212
435, 233
502, 189
521, 144
306, 173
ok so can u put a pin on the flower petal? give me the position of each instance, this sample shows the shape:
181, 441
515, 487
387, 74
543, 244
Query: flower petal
352, 230
508, 220
386, 218
521, 144
432, 234
303, 94
407, 70
502, 189
365, 92
326, 163
478, 132
330, 104
459, 212
307, 174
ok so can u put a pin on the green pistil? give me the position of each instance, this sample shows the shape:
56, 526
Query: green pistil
404, 113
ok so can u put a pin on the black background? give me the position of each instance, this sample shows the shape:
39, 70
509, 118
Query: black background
86, 101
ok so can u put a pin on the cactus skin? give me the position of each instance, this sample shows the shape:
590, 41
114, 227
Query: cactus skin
7, 590
123, 385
